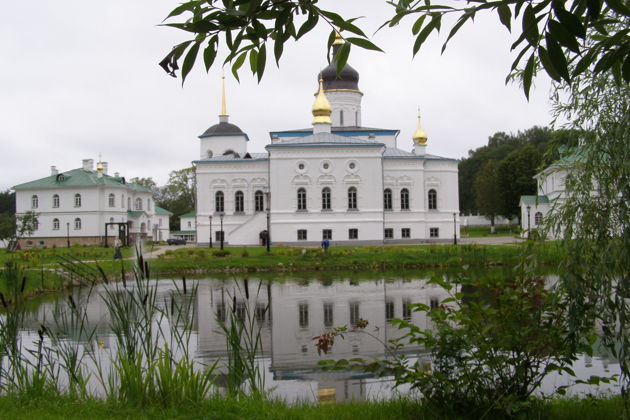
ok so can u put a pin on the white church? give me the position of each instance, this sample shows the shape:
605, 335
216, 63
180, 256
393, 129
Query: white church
337, 180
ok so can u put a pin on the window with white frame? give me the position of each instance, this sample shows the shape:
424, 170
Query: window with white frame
389, 233
301, 199
354, 313
239, 202
138, 204
389, 310
259, 201
352, 198
303, 315
434, 232
327, 234
538, 218
219, 202
432, 196
34, 202
353, 233
35, 224
405, 233
111, 200
406, 309
328, 314
301, 234
387, 199
404, 199
325, 198
55, 201
77, 224
77, 200
55, 224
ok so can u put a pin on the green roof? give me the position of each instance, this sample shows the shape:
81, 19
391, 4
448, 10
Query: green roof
189, 214
534, 199
160, 210
135, 213
79, 178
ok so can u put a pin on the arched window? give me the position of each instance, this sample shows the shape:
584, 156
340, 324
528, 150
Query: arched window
218, 202
122, 200
301, 199
341, 118
35, 224
138, 203
352, 198
77, 202
111, 199
326, 198
55, 224
56, 201
77, 224
538, 217
387, 199
34, 202
404, 199
143, 227
259, 203
239, 202
209, 154
432, 199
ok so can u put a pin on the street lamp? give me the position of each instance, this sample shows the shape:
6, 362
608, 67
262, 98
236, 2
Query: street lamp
68, 234
528, 223
454, 228
268, 210
221, 214
210, 235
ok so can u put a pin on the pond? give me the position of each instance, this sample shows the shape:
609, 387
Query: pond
288, 311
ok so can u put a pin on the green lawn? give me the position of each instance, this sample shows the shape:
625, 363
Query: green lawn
484, 231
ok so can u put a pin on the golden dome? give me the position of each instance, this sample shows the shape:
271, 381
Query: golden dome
99, 166
419, 137
321, 107
338, 39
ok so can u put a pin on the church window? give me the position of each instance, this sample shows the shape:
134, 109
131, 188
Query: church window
209, 154
35, 224
301, 199
387, 199
34, 202
356, 118
352, 198
56, 201
353, 233
218, 202
189, 223
259, 203
326, 198
406, 310
354, 313
432, 199
434, 232
538, 217
112, 200
138, 204
303, 311
77, 224
77, 200
218, 235
239, 202
301, 234
341, 117
404, 199
55, 224
327, 234
405, 233
328, 314
389, 310
389, 233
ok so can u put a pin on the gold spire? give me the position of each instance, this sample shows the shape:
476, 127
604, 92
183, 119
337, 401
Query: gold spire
321, 107
99, 165
223, 107
338, 39
419, 137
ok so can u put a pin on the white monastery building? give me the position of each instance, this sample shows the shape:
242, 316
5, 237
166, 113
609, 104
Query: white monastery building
337, 180
74, 207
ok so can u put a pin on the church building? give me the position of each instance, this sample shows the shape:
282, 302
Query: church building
337, 180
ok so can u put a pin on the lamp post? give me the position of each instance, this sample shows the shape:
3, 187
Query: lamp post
528, 223
454, 228
222, 236
268, 210
210, 234
68, 234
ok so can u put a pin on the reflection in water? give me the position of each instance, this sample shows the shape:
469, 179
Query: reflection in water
290, 313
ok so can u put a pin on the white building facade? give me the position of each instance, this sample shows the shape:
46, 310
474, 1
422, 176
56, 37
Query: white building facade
75, 206
337, 180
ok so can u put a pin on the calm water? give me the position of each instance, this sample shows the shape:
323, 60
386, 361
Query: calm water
300, 308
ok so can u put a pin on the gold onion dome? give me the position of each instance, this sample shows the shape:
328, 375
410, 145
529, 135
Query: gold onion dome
99, 166
419, 136
321, 107
338, 39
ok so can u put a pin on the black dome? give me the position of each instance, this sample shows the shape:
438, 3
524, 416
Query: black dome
347, 79
222, 128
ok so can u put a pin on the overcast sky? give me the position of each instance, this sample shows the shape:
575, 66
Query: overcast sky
79, 78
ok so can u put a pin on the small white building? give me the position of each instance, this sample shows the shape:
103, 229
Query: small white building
337, 180
75, 206
187, 227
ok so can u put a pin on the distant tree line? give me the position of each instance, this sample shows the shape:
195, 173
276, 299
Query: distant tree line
493, 177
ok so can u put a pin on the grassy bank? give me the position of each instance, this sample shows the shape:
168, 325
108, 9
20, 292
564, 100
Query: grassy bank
218, 408
484, 231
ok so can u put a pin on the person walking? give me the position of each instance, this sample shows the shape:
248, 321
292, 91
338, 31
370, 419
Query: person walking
117, 254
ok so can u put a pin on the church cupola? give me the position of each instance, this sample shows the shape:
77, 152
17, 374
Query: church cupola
419, 139
223, 138
321, 111
342, 90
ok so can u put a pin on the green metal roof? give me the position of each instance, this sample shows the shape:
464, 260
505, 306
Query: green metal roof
160, 210
189, 214
135, 213
79, 178
534, 199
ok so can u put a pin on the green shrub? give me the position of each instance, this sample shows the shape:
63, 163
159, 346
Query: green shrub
221, 253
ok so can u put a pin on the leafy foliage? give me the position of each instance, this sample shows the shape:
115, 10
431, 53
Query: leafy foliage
487, 195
